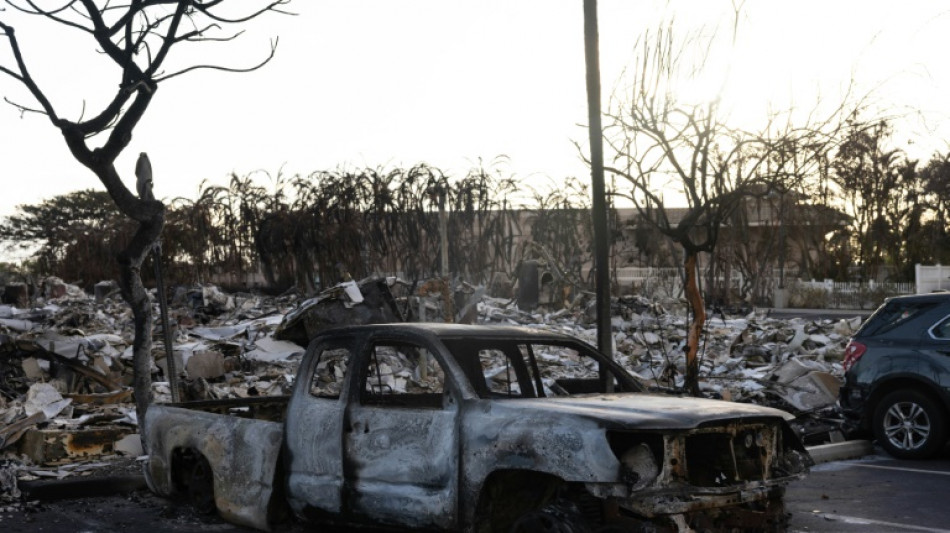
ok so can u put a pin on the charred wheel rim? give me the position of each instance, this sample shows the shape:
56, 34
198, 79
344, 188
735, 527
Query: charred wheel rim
907, 425
201, 487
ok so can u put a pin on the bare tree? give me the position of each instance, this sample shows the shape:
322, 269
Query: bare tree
137, 36
670, 151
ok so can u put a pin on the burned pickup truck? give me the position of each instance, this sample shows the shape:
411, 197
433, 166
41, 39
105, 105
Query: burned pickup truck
475, 428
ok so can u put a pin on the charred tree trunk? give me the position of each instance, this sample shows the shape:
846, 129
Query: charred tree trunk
134, 292
150, 215
137, 37
695, 299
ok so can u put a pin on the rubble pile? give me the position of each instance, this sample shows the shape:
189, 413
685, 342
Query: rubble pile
66, 361
66, 370
793, 364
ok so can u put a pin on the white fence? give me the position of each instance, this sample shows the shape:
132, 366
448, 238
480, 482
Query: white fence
810, 294
932, 278
664, 281
651, 281
844, 294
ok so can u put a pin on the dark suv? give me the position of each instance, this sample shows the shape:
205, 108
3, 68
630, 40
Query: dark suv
897, 375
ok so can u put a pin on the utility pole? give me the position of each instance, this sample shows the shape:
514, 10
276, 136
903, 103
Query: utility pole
599, 200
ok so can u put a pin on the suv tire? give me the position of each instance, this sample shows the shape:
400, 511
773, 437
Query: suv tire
909, 425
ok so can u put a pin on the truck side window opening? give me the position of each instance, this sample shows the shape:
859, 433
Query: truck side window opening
564, 371
500, 377
403, 375
330, 373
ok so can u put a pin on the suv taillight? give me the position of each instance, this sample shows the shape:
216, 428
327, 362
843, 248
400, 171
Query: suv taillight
852, 353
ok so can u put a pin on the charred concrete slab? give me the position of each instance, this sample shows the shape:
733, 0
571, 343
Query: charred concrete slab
840, 451
60, 446
206, 364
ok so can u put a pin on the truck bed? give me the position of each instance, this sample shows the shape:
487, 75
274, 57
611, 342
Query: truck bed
272, 408
240, 441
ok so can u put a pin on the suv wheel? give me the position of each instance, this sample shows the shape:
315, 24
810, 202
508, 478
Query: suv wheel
910, 425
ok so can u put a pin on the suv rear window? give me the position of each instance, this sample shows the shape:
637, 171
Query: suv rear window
941, 330
892, 315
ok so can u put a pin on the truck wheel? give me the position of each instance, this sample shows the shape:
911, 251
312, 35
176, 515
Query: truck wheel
909, 425
201, 486
544, 521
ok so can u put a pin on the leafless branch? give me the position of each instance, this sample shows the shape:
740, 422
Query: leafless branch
23, 75
53, 14
23, 109
206, 8
273, 50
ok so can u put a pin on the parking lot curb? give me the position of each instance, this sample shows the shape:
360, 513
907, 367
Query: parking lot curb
839, 451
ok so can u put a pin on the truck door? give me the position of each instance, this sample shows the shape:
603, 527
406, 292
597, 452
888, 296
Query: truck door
401, 440
314, 431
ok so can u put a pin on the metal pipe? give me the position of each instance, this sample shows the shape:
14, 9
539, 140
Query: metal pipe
166, 331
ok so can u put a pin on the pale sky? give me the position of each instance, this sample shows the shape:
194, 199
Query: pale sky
359, 83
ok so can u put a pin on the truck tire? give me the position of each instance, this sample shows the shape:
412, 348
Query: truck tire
550, 519
541, 522
201, 486
910, 425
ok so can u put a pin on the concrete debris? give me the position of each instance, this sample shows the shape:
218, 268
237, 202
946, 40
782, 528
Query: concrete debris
9, 490
33, 370
130, 445
793, 369
69, 445
66, 369
812, 391
205, 364
43, 398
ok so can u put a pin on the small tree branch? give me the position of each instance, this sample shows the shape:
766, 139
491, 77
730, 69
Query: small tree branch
273, 50
23, 75
51, 14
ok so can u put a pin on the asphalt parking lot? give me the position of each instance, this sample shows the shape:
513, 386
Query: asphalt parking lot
873, 494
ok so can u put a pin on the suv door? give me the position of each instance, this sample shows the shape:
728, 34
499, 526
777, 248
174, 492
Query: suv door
401, 438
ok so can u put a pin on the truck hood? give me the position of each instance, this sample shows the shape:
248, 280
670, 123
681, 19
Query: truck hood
650, 411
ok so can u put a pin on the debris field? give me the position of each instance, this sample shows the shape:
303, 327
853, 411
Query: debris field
66, 406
